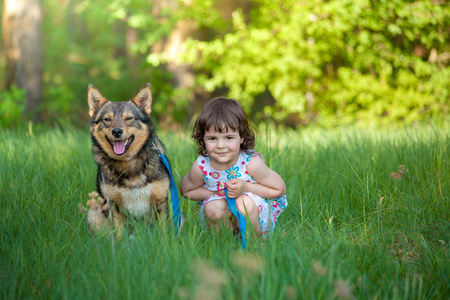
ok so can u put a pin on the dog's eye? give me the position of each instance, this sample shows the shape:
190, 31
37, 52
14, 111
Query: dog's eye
129, 119
107, 120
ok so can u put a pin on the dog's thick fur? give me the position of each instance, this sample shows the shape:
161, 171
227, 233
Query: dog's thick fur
130, 173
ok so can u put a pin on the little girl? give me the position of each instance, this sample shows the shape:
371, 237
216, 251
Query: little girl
227, 160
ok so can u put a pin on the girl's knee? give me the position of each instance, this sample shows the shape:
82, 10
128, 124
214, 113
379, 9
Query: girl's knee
216, 212
246, 206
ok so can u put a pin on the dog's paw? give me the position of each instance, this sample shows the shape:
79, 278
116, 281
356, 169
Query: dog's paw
93, 195
97, 220
91, 204
95, 202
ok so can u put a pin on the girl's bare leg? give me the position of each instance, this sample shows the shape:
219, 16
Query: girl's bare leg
218, 215
248, 208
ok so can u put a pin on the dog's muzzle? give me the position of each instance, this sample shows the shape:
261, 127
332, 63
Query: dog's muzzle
117, 132
120, 146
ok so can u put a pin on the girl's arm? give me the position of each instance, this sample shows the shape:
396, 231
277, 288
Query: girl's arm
191, 185
270, 184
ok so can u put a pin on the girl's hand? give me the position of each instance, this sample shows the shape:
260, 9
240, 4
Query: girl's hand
235, 187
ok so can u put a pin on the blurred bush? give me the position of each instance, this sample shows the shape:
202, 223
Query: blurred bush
333, 62
326, 63
12, 106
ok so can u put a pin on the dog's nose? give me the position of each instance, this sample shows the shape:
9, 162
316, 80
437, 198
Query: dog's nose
117, 132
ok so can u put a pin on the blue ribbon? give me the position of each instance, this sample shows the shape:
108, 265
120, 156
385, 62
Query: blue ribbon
173, 191
241, 219
174, 195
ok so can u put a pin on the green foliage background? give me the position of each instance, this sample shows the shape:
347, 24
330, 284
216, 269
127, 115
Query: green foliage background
85, 43
334, 62
318, 62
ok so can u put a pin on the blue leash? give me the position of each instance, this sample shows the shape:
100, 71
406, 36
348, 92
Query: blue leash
241, 219
173, 191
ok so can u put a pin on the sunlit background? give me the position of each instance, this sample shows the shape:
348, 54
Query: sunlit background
293, 63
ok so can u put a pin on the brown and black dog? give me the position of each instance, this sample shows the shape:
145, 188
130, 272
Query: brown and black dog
130, 173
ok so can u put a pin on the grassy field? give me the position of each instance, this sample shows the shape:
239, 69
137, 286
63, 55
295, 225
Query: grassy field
358, 224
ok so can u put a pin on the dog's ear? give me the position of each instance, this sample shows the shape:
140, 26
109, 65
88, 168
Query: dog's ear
95, 100
144, 99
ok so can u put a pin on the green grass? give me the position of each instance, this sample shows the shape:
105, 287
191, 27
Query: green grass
335, 240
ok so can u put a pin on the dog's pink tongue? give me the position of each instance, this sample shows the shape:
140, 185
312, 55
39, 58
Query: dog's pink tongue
119, 147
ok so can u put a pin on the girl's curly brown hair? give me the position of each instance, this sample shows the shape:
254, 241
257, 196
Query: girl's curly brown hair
223, 114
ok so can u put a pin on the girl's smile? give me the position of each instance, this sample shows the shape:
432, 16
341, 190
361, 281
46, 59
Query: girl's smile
223, 148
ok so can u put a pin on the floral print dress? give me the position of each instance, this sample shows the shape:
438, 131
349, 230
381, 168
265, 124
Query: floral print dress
269, 209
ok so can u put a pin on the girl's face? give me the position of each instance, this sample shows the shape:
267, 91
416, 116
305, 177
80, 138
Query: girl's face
223, 147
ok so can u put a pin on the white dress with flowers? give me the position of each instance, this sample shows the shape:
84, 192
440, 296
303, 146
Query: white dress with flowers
269, 209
